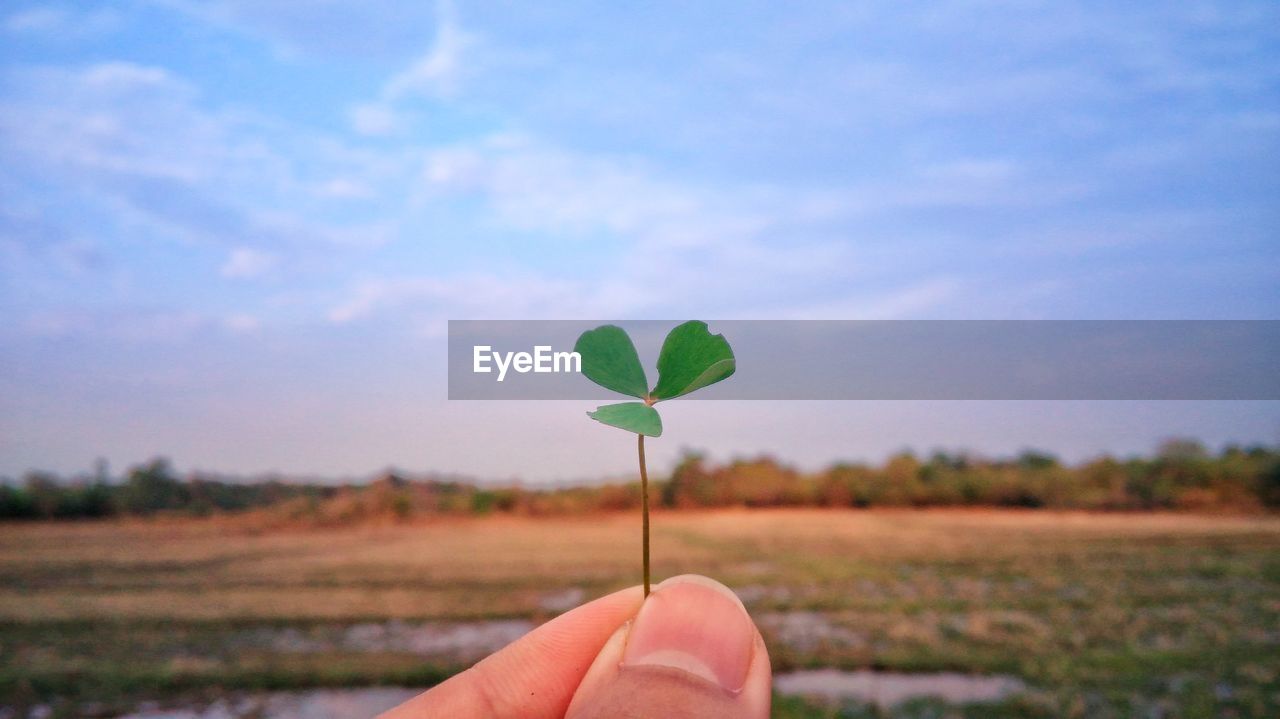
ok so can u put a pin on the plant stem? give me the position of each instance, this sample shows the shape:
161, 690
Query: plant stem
644, 503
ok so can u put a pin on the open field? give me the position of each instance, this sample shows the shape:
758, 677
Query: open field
1100, 614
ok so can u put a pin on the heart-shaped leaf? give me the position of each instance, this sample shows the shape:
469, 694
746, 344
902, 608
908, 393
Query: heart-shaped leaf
609, 359
635, 417
691, 359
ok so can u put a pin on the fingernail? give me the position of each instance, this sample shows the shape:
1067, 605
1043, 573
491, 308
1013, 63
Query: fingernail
697, 625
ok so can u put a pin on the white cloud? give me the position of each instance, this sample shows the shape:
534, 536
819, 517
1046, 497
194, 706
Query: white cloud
912, 300
295, 29
36, 19
140, 136
436, 74
343, 188
542, 188
124, 324
718, 250
112, 117
439, 70
430, 301
985, 170
246, 262
137, 144
242, 323
135, 324
375, 118
116, 76
60, 22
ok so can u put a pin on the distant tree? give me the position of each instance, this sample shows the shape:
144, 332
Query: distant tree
690, 484
1101, 484
152, 487
94, 500
942, 459
903, 486
1269, 484
44, 493
483, 501
1035, 460
835, 486
1181, 474
1181, 449
15, 503
761, 482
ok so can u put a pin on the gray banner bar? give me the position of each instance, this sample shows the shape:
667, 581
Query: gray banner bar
903, 359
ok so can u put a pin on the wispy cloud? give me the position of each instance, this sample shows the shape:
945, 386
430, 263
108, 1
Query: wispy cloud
436, 74
533, 186
133, 325
439, 71
429, 301
27, 238
922, 298
682, 246
299, 29
246, 262
61, 23
375, 118
137, 144
311, 179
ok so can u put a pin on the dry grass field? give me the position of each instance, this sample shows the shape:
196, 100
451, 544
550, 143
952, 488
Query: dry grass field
1100, 614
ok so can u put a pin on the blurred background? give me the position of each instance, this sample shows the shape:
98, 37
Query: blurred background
231, 235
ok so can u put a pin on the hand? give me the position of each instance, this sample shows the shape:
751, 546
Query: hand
690, 651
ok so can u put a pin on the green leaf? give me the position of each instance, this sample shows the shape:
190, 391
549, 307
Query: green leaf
609, 359
635, 417
691, 359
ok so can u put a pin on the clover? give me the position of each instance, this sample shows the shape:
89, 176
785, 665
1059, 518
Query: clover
691, 358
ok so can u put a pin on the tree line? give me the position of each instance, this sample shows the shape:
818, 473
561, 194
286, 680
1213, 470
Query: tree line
1181, 474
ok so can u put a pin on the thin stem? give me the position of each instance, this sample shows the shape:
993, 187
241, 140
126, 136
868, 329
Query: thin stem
644, 502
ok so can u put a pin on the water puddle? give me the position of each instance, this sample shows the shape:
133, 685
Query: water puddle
885, 689
807, 631
562, 601
314, 704
454, 641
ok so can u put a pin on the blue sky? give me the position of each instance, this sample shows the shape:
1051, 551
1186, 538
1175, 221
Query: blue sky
231, 232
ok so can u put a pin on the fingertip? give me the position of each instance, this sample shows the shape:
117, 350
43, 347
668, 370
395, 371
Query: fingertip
691, 651
696, 625
704, 581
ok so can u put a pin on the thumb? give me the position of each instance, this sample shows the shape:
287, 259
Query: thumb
692, 652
